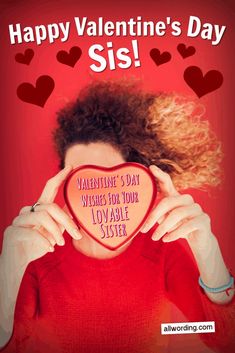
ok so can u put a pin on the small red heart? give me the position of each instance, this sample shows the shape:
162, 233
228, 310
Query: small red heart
36, 95
185, 52
110, 204
212, 80
26, 57
159, 58
70, 58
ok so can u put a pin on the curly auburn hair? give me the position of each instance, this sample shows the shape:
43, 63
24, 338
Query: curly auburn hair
162, 129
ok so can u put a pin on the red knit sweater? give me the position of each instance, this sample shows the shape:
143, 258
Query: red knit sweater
71, 303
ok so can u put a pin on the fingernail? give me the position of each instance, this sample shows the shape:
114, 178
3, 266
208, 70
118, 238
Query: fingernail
153, 166
75, 232
67, 167
61, 242
166, 240
51, 248
144, 229
156, 236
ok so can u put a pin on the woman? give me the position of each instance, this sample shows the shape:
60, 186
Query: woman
77, 296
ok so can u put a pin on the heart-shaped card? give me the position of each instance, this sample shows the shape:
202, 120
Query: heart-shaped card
110, 204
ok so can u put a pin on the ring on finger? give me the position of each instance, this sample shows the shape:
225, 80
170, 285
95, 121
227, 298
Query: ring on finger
32, 209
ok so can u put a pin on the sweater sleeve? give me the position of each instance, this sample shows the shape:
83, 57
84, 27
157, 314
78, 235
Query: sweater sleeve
181, 280
25, 312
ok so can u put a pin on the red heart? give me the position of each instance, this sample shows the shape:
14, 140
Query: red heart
26, 57
36, 95
110, 204
212, 80
70, 58
185, 52
159, 58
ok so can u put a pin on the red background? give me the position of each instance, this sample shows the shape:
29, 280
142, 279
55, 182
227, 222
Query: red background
28, 158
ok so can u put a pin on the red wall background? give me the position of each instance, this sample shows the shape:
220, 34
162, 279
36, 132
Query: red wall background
27, 156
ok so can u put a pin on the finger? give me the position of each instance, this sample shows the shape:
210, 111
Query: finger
164, 180
162, 218
175, 218
40, 218
45, 234
165, 206
34, 237
25, 209
185, 229
62, 219
44, 243
51, 188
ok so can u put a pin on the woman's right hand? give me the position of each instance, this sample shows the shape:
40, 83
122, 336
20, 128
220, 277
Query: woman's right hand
33, 234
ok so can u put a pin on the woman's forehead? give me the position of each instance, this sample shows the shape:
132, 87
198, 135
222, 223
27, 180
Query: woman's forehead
97, 153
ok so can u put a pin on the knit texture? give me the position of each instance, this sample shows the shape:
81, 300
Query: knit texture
71, 303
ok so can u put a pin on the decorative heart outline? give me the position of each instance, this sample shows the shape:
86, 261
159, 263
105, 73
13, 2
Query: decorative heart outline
111, 169
25, 58
39, 94
158, 57
69, 58
184, 51
202, 84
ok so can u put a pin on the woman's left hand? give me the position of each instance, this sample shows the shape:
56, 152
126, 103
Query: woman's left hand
178, 215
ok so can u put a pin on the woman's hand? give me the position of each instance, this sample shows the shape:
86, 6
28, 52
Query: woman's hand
178, 215
33, 234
